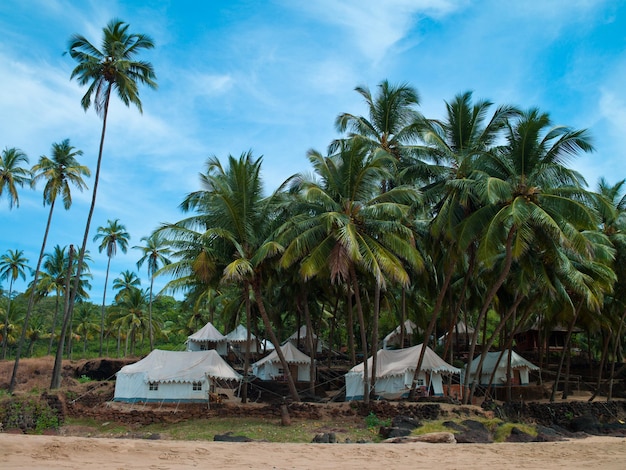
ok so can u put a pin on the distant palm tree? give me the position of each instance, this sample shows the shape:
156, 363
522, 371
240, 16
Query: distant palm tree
113, 235
12, 265
124, 283
155, 253
111, 68
12, 174
59, 171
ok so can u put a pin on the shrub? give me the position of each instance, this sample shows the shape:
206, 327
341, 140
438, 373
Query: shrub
28, 415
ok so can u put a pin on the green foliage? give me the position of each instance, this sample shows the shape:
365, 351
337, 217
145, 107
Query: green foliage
29, 415
84, 379
373, 421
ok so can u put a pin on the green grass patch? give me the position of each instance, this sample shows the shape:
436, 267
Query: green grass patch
504, 430
302, 431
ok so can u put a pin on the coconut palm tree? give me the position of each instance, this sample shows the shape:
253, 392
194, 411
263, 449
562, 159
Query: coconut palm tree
12, 174
236, 222
13, 265
530, 197
59, 172
124, 283
112, 236
155, 252
130, 316
113, 67
457, 144
348, 225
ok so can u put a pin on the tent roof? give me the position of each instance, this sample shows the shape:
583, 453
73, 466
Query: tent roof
301, 333
517, 362
409, 328
207, 333
292, 355
181, 366
239, 335
462, 328
399, 361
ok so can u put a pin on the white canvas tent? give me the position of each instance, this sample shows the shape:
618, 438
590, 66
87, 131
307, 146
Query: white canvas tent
270, 367
173, 376
301, 334
461, 335
238, 340
393, 338
520, 368
394, 373
208, 338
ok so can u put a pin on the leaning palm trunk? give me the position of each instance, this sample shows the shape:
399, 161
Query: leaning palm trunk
58, 360
268, 327
104, 296
618, 340
5, 334
151, 335
565, 348
359, 310
31, 302
246, 355
605, 350
311, 345
487, 345
508, 261
375, 335
430, 328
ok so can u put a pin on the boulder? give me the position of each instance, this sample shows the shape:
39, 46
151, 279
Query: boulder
430, 438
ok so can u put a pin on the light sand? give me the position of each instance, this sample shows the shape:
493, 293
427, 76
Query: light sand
56, 452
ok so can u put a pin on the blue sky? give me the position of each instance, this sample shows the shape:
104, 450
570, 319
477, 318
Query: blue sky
271, 77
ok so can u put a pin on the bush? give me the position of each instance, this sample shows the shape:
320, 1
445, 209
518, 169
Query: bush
373, 421
29, 415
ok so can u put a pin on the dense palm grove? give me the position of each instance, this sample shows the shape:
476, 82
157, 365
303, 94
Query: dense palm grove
476, 217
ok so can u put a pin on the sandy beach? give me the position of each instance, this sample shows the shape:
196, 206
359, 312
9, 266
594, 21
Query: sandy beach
55, 452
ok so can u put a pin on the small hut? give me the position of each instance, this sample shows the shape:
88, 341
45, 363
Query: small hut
208, 338
520, 368
394, 338
238, 341
299, 340
270, 367
174, 376
394, 374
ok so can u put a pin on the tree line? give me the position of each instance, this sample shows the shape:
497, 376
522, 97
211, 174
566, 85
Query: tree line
474, 217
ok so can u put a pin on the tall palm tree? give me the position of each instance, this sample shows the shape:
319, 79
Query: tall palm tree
130, 316
13, 265
348, 225
113, 67
112, 236
155, 252
531, 198
457, 144
236, 222
12, 174
58, 171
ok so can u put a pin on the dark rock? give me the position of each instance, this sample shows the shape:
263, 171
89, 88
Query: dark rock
387, 432
588, 424
454, 426
228, 437
517, 435
474, 433
406, 422
325, 438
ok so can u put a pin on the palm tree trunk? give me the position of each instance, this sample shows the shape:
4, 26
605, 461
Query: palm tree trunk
508, 261
54, 323
268, 327
31, 302
104, 296
618, 339
5, 334
487, 345
565, 346
431, 327
351, 345
359, 310
246, 355
375, 335
83, 250
55, 382
403, 318
150, 314
605, 350
310, 344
